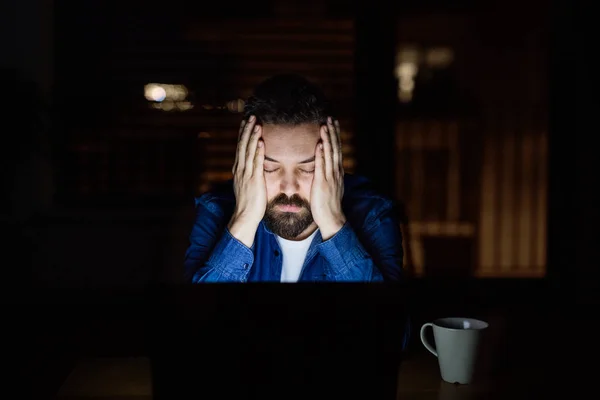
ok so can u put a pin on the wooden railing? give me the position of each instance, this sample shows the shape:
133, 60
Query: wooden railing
483, 181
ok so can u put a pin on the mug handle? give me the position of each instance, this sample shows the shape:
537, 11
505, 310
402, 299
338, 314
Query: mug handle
424, 340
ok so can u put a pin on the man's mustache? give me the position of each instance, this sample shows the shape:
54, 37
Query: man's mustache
283, 200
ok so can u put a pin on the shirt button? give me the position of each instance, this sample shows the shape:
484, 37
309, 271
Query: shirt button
245, 266
276, 253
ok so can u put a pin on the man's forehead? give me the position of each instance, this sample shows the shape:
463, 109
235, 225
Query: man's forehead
287, 144
273, 131
296, 157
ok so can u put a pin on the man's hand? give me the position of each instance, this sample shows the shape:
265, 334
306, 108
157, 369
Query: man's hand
249, 183
328, 182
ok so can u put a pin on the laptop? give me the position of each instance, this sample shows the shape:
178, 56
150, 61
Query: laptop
243, 341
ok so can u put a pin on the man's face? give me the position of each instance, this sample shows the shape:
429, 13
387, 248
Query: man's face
289, 168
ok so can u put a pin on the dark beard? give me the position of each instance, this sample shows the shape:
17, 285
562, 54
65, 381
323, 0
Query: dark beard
288, 225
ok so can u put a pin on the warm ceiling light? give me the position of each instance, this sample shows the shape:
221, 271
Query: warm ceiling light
155, 92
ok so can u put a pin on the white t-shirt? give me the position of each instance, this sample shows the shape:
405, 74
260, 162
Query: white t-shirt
294, 254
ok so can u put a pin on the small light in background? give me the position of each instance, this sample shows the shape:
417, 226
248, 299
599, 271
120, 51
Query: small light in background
155, 92
407, 67
167, 97
406, 72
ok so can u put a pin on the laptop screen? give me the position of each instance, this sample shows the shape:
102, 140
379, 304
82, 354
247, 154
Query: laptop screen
267, 338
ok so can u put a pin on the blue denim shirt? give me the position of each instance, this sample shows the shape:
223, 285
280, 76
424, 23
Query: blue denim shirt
367, 248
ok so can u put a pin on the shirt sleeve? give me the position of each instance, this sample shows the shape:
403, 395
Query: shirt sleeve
214, 255
347, 259
377, 256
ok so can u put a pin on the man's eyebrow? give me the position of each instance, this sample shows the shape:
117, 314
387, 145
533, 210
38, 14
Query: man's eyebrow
308, 160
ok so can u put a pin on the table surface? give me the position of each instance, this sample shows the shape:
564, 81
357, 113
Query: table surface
419, 378
530, 348
124, 378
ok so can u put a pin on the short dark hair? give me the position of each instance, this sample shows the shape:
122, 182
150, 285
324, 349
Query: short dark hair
287, 99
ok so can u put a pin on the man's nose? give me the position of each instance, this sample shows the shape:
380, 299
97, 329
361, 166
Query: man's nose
289, 185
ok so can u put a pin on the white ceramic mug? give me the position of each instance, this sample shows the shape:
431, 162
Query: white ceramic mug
456, 346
